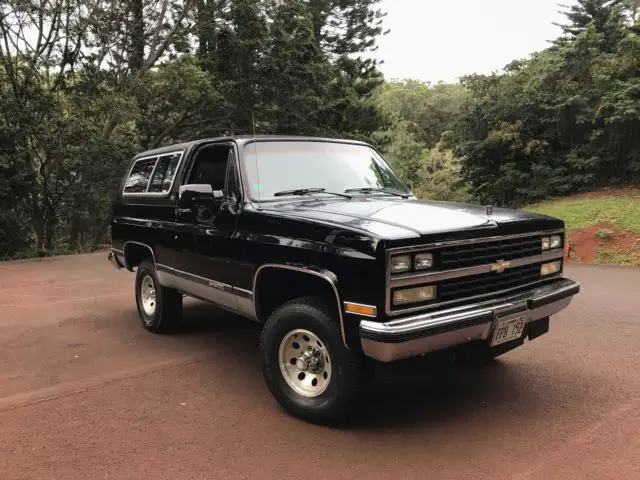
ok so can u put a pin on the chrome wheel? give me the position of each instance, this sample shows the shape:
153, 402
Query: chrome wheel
148, 296
304, 363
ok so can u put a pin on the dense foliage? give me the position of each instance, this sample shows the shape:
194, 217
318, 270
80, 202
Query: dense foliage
566, 120
86, 84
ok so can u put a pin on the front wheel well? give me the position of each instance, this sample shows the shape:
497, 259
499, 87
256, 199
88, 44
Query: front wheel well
276, 286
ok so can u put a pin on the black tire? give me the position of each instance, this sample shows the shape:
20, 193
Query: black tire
167, 314
333, 406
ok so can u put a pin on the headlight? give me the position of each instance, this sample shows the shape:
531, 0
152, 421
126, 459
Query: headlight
400, 263
423, 261
554, 241
546, 242
550, 268
414, 295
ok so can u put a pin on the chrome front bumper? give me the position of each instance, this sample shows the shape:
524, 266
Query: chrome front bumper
420, 334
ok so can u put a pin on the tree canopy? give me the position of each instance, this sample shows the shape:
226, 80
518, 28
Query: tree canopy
565, 120
86, 84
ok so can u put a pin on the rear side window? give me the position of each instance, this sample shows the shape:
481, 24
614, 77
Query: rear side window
164, 173
140, 175
153, 175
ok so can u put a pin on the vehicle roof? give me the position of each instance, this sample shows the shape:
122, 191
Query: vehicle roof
242, 140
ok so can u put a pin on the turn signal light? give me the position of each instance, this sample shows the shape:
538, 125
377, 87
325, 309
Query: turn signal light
550, 268
360, 309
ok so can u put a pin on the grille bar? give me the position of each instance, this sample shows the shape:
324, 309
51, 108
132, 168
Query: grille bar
483, 253
486, 283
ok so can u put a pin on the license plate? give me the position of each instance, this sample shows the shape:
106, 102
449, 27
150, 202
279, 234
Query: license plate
508, 329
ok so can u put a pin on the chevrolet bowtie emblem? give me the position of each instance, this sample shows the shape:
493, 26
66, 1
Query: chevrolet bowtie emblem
500, 266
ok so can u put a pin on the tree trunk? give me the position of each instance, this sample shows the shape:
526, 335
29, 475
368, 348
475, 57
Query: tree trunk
49, 236
75, 233
136, 60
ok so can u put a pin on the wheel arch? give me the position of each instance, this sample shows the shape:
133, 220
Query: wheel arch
135, 252
263, 307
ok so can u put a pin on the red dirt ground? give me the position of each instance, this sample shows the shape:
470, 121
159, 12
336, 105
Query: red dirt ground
584, 244
86, 393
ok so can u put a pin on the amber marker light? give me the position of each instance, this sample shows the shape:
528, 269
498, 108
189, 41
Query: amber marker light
359, 309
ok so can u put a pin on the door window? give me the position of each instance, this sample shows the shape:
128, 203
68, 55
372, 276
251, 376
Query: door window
210, 167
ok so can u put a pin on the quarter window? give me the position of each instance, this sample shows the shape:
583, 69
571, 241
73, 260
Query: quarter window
153, 175
140, 175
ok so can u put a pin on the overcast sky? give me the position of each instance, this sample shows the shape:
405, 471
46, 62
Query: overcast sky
435, 40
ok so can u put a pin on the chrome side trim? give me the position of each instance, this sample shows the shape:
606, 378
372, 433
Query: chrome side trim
244, 298
309, 271
124, 247
468, 241
226, 296
413, 279
375, 309
245, 307
425, 333
146, 193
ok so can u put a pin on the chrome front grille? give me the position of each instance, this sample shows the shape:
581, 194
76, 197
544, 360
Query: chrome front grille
474, 268
487, 283
470, 255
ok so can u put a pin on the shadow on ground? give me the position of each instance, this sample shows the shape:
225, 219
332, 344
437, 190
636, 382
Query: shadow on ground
431, 391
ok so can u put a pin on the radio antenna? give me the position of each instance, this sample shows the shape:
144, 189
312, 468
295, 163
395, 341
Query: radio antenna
255, 152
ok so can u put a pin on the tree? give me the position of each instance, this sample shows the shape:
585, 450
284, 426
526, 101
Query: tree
560, 122
85, 84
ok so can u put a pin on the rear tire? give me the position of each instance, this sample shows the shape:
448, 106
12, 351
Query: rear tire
306, 366
160, 308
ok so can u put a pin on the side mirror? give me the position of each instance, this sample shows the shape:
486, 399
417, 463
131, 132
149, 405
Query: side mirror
192, 193
194, 190
204, 191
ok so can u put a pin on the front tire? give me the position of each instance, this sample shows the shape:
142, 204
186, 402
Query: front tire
160, 308
306, 366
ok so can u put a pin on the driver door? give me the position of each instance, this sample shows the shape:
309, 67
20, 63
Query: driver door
203, 231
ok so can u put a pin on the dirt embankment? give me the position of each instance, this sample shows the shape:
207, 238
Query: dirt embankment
597, 242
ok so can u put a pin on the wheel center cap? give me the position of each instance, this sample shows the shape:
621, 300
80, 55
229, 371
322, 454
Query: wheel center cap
310, 361
302, 364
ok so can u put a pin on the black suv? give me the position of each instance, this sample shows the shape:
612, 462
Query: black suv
323, 244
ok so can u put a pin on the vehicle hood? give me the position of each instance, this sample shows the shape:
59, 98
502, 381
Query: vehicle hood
390, 218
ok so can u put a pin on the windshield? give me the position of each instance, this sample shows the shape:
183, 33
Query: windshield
277, 166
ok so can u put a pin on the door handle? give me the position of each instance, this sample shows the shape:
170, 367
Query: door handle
181, 211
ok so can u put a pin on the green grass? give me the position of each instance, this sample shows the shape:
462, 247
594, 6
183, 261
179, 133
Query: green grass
622, 211
620, 208
615, 256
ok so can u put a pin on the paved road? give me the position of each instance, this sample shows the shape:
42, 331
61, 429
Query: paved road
86, 393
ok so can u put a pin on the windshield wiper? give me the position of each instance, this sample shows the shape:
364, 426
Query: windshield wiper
373, 190
307, 191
